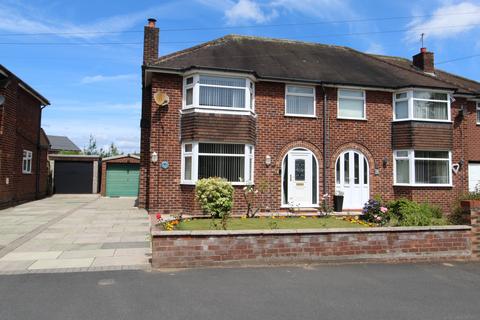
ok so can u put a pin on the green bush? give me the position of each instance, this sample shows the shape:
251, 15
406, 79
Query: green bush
215, 196
404, 212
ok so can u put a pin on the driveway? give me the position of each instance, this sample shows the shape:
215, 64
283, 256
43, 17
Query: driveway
74, 233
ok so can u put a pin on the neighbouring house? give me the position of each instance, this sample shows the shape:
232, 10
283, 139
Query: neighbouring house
62, 144
23, 144
120, 176
303, 120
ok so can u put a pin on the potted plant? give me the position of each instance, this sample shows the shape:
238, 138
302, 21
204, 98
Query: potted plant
338, 201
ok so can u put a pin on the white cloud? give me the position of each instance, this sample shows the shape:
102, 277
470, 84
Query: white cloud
248, 11
251, 11
102, 78
328, 9
21, 18
375, 48
439, 24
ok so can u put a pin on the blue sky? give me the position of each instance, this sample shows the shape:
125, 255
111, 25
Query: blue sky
64, 48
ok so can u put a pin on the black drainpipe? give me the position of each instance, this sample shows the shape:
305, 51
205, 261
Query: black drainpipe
37, 169
325, 140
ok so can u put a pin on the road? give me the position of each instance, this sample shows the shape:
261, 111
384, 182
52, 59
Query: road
417, 291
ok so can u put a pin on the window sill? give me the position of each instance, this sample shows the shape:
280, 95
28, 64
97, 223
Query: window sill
184, 183
423, 185
424, 120
287, 115
220, 110
354, 119
28, 173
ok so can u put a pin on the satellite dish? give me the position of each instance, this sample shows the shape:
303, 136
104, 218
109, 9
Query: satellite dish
162, 99
2, 100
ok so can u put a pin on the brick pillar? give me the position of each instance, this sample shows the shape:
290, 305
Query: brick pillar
473, 206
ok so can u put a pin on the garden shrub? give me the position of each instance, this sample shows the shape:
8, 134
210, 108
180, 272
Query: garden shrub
404, 212
215, 196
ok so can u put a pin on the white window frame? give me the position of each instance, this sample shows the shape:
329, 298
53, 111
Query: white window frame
411, 100
364, 99
478, 113
249, 153
27, 162
313, 95
411, 162
249, 94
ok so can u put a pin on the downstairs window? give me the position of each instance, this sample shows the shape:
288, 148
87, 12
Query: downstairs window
233, 162
422, 168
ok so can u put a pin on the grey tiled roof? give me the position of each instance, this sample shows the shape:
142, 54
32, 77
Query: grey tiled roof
276, 59
62, 143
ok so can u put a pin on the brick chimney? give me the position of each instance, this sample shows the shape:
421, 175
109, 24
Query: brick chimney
150, 42
424, 61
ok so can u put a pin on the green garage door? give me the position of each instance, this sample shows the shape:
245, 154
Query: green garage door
122, 180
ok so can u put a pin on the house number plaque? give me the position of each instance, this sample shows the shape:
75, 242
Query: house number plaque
164, 165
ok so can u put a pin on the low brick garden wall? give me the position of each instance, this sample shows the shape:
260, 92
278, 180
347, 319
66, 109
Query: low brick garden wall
185, 249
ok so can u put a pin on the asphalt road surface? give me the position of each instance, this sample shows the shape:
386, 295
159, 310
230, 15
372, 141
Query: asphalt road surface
416, 291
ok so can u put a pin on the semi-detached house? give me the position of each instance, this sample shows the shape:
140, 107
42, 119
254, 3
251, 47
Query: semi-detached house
302, 120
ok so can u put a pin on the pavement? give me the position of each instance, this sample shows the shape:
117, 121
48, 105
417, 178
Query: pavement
416, 291
74, 233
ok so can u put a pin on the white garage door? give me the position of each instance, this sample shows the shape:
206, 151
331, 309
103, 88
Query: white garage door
473, 176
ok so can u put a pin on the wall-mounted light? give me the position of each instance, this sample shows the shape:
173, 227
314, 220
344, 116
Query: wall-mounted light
385, 162
268, 160
154, 157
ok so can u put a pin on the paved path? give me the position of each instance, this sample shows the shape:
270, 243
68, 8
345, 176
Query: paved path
74, 233
337, 292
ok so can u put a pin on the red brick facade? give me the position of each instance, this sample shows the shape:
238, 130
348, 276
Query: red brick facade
20, 130
161, 191
183, 249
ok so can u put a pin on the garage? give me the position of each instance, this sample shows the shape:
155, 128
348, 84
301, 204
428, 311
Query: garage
121, 176
473, 176
74, 174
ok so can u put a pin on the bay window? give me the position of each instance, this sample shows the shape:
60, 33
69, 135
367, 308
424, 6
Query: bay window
233, 162
422, 168
218, 92
422, 105
299, 101
351, 104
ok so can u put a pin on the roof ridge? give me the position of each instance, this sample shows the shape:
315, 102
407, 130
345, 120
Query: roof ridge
232, 36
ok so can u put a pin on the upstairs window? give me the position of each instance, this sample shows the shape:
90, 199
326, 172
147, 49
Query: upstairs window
27, 162
218, 92
351, 104
300, 101
422, 105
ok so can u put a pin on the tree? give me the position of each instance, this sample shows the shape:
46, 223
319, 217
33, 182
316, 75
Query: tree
92, 149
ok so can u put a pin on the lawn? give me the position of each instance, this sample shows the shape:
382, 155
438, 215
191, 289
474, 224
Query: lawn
269, 223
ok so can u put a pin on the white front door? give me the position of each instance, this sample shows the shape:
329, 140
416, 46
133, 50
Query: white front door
473, 176
352, 178
299, 178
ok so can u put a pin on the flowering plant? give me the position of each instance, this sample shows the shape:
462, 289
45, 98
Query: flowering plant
167, 223
375, 212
